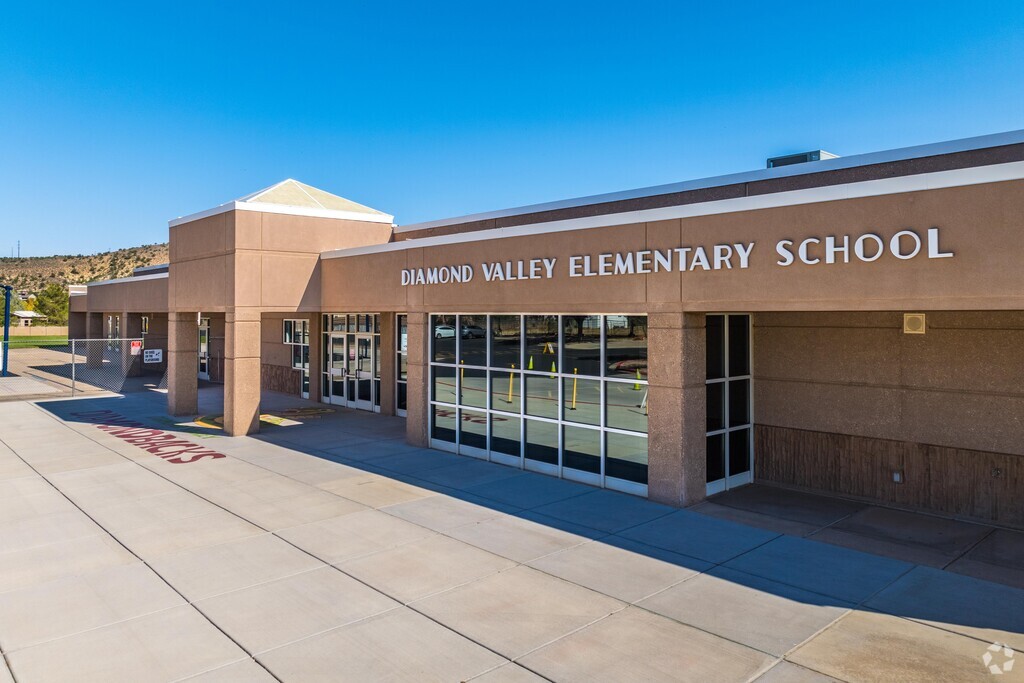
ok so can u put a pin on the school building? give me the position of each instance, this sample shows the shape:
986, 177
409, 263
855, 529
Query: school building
852, 325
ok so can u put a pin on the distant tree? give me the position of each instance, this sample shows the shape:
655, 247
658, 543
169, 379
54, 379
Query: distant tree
53, 303
16, 303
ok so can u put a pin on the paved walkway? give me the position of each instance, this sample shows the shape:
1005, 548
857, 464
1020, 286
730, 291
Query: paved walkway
331, 550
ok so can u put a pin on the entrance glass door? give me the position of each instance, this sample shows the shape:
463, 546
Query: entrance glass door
362, 372
204, 348
336, 370
730, 414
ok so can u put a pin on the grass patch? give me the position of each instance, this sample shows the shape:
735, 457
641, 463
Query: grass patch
39, 340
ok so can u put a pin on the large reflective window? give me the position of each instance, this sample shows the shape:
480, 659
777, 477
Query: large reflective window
581, 335
582, 449
443, 332
542, 396
506, 344
442, 424
715, 346
626, 346
473, 330
739, 345
542, 441
443, 384
582, 400
626, 406
716, 457
474, 429
626, 457
505, 436
474, 387
506, 390
541, 342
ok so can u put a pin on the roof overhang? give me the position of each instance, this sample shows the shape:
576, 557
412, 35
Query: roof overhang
287, 210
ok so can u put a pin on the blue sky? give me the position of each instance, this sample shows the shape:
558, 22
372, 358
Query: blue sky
117, 117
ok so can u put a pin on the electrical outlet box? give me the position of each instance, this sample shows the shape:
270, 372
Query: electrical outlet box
897, 477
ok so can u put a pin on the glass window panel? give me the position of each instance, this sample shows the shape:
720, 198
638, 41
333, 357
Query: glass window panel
626, 457
402, 361
443, 385
442, 424
376, 323
541, 342
402, 398
716, 406
442, 329
542, 396
474, 429
351, 323
506, 389
305, 356
474, 388
338, 323
581, 400
739, 402
296, 356
739, 345
505, 434
715, 346
716, 457
625, 408
739, 452
376, 357
376, 392
473, 349
542, 441
506, 343
402, 338
626, 346
581, 335
582, 449
287, 331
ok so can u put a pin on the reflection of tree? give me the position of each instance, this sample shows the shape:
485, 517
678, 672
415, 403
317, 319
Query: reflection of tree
579, 326
635, 321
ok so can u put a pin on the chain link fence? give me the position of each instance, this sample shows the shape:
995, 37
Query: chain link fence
72, 367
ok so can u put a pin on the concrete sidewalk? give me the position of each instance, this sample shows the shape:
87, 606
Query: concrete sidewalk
337, 552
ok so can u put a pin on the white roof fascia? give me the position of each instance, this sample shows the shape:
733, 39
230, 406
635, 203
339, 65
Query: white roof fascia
935, 180
834, 164
287, 210
119, 280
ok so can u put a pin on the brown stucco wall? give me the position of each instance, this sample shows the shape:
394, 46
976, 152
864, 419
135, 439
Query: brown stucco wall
978, 223
845, 400
134, 295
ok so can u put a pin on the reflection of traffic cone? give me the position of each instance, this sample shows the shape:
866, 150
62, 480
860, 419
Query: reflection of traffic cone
637, 387
553, 370
530, 367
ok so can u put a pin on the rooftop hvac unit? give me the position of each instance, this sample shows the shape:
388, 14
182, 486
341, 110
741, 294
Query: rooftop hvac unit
803, 157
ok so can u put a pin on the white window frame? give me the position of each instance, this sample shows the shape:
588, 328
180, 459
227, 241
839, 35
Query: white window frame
730, 482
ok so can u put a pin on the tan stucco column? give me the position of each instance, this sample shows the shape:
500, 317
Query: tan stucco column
182, 363
242, 372
678, 420
131, 328
417, 422
94, 349
387, 363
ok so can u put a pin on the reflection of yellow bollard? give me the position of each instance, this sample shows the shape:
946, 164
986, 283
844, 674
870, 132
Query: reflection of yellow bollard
547, 348
637, 387
574, 371
511, 378
530, 367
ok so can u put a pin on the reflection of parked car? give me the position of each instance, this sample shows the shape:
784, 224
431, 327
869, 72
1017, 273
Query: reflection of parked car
444, 331
632, 365
473, 332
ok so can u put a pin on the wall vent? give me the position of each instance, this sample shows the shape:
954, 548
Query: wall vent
913, 323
